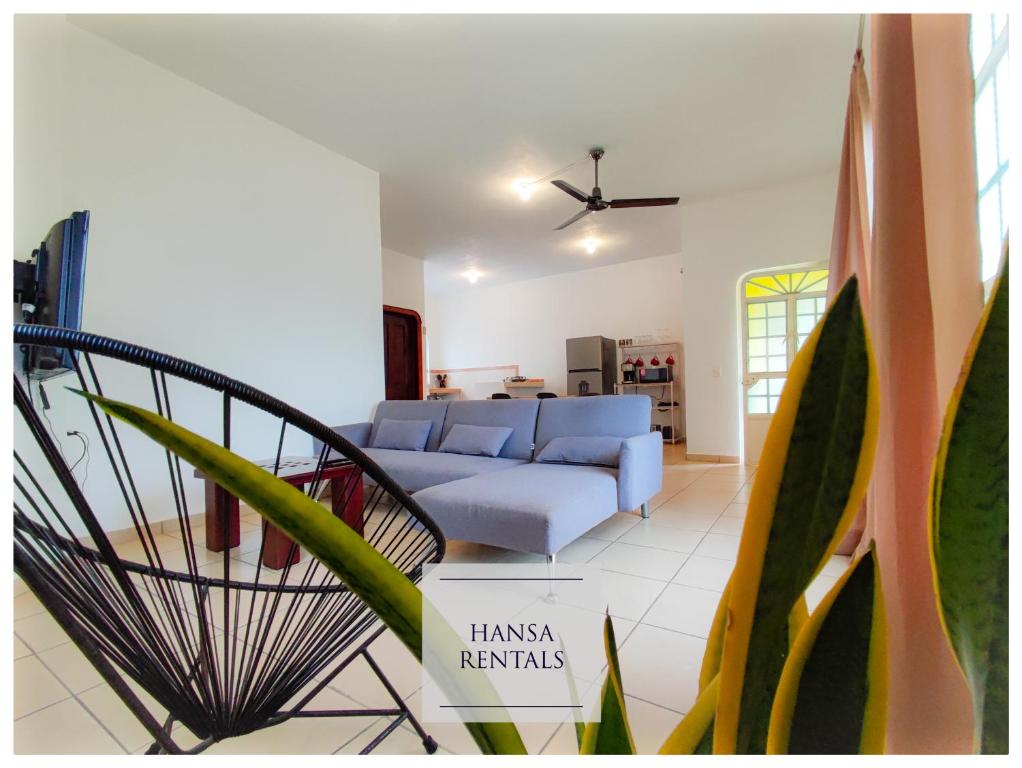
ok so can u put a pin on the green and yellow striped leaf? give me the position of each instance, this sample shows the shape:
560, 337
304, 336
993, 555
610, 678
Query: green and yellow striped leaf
832, 696
969, 522
612, 734
812, 477
390, 594
694, 734
714, 642
573, 697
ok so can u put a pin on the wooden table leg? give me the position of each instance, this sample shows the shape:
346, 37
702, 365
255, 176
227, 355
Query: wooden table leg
279, 549
346, 498
222, 516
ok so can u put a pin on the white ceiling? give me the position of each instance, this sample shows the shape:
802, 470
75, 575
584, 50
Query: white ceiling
451, 109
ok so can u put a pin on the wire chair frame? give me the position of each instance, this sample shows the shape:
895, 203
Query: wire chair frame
222, 654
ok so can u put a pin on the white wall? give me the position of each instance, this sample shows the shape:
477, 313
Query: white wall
404, 286
403, 282
216, 235
526, 323
723, 239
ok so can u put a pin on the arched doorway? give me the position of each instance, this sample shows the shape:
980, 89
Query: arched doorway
402, 353
779, 308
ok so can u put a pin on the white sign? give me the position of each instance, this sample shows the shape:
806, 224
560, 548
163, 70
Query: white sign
519, 642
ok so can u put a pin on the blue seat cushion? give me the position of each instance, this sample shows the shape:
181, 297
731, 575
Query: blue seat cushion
415, 470
531, 508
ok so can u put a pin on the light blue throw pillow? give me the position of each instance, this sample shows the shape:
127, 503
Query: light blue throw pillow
402, 435
599, 451
473, 440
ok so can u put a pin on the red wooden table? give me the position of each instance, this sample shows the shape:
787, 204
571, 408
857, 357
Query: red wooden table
223, 529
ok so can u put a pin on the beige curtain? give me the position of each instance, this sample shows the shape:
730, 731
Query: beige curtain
851, 247
925, 300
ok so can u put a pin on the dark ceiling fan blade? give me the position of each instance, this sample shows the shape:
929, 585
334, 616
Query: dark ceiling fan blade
643, 202
576, 193
573, 219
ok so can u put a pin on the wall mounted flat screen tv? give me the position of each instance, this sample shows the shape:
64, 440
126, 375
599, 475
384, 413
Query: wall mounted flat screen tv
51, 290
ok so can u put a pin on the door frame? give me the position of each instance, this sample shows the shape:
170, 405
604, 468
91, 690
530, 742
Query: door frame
743, 336
418, 340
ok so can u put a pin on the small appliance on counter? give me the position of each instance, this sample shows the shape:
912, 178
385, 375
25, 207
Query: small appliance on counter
628, 370
658, 375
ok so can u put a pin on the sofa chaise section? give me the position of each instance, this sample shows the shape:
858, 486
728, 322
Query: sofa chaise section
641, 458
534, 507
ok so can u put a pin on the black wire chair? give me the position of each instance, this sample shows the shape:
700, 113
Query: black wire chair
225, 645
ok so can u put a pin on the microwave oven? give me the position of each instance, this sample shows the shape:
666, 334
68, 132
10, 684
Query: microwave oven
660, 375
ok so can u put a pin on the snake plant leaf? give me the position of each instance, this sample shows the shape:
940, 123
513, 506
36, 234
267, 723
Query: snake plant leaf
969, 522
612, 734
715, 642
573, 697
832, 697
384, 588
811, 479
694, 734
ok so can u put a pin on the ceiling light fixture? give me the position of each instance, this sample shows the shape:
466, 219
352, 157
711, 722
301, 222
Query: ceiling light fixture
524, 188
472, 275
590, 244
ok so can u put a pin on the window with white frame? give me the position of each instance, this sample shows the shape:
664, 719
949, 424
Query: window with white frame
779, 310
990, 68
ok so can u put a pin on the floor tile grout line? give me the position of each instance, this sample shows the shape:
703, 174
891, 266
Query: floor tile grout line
82, 704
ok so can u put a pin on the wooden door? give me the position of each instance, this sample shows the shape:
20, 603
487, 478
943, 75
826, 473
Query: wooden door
402, 353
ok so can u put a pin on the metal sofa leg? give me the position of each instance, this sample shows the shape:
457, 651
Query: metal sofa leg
645, 509
551, 566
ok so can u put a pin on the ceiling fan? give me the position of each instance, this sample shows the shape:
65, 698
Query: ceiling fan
595, 201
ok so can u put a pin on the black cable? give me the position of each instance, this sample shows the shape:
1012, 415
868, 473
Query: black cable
85, 454
45, 407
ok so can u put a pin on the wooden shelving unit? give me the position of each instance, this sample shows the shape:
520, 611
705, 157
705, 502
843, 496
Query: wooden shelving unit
443, 391
527, 384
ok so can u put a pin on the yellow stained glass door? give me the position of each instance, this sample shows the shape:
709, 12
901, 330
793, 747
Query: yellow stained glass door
779, 309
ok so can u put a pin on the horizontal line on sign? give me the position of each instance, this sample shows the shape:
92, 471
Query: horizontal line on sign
509, 706
509, 578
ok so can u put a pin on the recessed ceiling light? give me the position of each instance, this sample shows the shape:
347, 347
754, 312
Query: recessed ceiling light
590, 244
524, 188
472, 275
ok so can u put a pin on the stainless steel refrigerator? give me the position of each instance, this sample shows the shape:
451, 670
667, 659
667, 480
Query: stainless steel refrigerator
592, 365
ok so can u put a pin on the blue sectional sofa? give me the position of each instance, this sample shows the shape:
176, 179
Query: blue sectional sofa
563, 466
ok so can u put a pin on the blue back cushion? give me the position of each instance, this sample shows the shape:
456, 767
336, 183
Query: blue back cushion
598, 416
403, 434
412, 410
473, 440
520, 415
601, 451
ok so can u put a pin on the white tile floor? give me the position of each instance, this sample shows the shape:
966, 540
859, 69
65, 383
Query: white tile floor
663, 579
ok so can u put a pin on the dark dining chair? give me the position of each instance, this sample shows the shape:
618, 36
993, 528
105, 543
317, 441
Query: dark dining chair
500, 396
221, 643
545, 395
